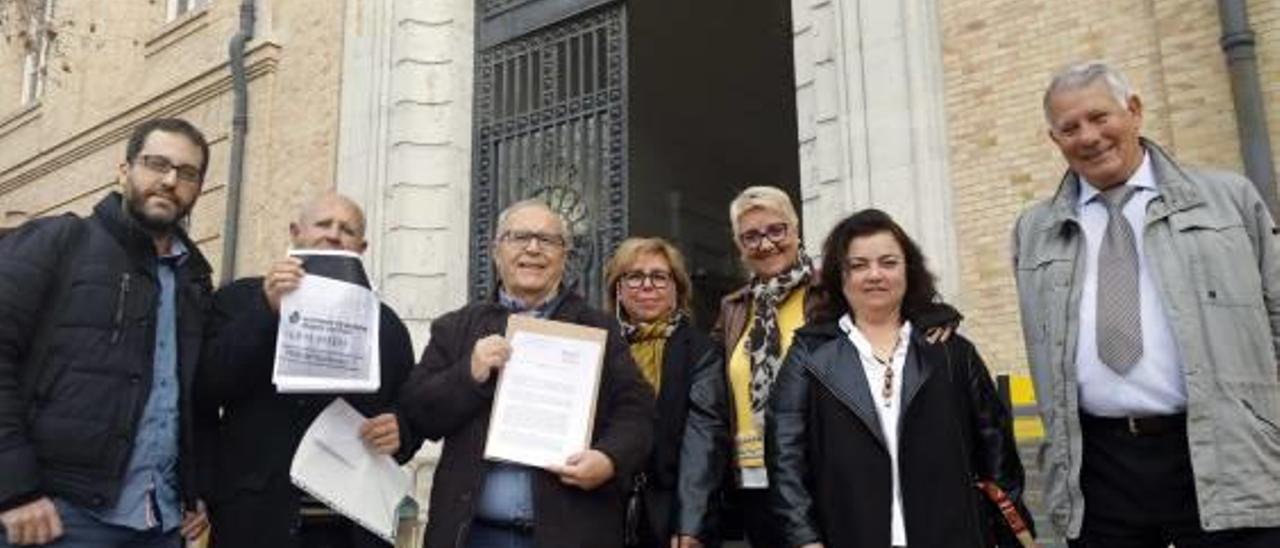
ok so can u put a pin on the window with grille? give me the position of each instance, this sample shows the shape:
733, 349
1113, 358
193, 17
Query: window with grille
550, 123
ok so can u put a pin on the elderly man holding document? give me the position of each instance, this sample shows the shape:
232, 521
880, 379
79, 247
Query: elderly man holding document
253, 500
483, 502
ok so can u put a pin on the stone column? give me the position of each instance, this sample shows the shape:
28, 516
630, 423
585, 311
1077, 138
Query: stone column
872, 126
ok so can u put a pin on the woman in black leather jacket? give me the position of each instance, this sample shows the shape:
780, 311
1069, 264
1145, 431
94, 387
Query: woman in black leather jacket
875, 436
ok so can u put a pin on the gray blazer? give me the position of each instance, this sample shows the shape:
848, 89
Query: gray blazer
1209, 238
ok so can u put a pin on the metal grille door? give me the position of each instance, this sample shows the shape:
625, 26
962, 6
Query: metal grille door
550, 123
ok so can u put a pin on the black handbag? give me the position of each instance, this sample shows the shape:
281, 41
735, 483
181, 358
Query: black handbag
635, 511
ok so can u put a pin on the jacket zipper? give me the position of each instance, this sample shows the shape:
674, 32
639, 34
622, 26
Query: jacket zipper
120, 302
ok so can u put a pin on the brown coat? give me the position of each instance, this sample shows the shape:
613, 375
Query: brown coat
735, 308
442, 401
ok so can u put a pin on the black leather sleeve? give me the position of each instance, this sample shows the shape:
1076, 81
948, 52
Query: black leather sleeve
995, 451
786, 452
704, 449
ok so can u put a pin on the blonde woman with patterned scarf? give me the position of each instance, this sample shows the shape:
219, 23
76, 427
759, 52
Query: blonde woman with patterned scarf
755, 328
650, 295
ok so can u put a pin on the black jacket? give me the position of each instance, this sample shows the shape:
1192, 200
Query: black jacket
706, 464
77, 337
259, 429
443, 401
829, 468
688, 355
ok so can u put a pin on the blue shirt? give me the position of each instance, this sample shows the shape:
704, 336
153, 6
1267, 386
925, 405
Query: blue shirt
507, 493
149, 493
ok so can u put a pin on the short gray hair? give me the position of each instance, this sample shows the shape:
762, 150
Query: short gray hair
768, 198
1082, 75
505, 215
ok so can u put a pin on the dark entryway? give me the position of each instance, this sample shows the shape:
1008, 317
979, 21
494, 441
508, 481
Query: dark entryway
640, 117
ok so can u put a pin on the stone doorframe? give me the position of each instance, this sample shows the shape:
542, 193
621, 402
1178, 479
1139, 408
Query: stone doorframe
404, 148
872, 121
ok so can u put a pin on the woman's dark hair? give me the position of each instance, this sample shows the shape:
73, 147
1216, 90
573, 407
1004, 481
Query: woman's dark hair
921, 288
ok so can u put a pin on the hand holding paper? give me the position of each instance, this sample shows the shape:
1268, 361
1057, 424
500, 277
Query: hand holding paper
382, 433
283, 277
489, 355
329, 319
335, 466
544, 405
586, 469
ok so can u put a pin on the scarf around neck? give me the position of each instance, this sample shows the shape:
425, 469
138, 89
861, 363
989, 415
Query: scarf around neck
764, 337
648, 343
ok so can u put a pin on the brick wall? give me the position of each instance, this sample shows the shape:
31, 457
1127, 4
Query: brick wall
112, 68
997, 58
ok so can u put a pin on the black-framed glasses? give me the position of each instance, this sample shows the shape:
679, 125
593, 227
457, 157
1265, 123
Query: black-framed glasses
162, 166
520, 239
659, 279
753, 239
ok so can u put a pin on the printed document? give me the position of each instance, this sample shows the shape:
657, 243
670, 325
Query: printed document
546, 396
328, 335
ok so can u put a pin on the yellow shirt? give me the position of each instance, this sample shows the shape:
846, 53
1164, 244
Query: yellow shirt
748, 439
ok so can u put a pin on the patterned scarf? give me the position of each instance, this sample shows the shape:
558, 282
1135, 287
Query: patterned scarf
648, 342
764, 338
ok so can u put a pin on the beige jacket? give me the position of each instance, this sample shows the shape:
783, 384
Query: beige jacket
1210, 241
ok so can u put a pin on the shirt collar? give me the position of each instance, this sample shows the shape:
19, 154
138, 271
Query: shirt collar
177, 251
1143, 178
864, 346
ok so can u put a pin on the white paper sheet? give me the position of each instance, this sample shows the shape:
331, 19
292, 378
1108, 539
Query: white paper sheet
545, 402
337, 468
328, 336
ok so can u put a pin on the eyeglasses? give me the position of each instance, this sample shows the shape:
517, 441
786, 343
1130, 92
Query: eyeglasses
752, 239
659, 279
162, 166
520, 239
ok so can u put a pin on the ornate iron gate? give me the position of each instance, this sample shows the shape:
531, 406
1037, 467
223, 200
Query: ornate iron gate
550, 122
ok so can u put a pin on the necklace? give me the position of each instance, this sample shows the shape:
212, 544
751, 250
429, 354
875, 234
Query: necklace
887, 390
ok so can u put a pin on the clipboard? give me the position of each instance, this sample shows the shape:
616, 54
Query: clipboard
544, 405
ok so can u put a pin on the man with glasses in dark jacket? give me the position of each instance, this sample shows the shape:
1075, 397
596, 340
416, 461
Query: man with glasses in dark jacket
484, 504
100, 330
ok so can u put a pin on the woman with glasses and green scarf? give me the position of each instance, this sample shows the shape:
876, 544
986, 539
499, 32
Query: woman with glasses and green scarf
650, 293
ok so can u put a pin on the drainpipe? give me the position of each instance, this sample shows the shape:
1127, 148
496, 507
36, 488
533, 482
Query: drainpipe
239, 128
1251, 118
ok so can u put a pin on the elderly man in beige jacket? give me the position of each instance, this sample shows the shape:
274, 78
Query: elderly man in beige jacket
1150, 298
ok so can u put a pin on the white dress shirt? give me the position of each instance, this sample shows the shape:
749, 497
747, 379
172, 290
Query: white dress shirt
888, 414
1154, 385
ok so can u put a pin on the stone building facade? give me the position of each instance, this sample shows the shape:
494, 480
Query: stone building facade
927, 108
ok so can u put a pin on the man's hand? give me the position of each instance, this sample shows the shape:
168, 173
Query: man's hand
489, 355
585, 469
685, 541
33, 523
283, 277
937, 335
382, 433
195, 523
813, 545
